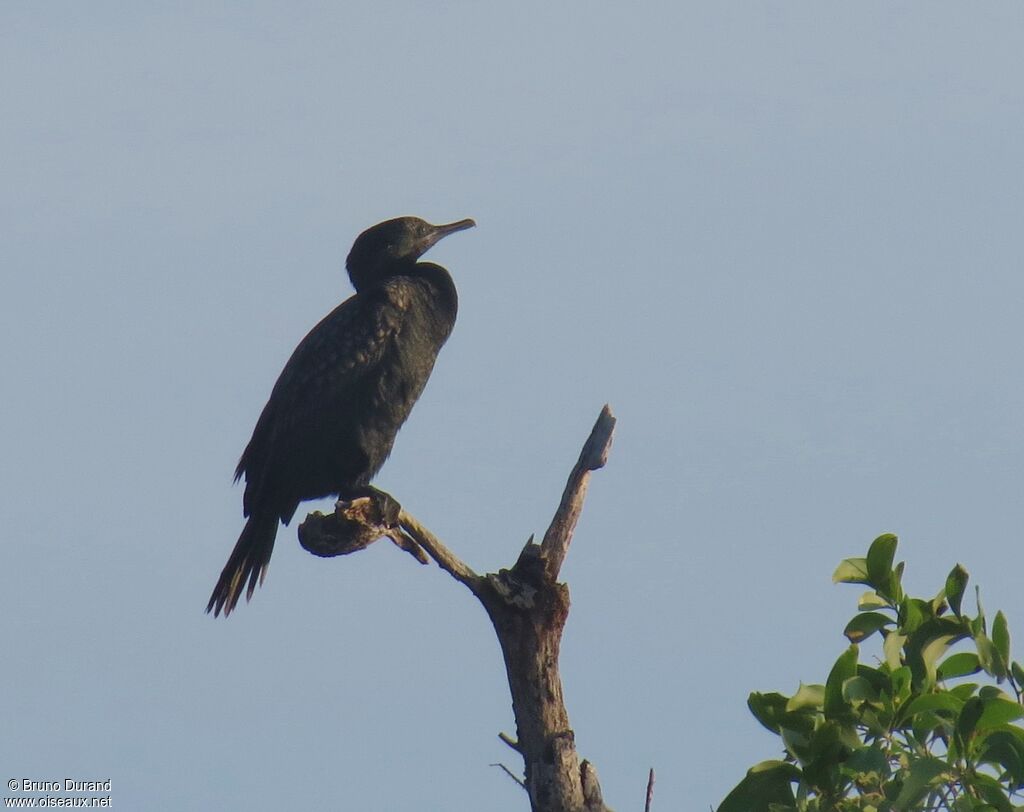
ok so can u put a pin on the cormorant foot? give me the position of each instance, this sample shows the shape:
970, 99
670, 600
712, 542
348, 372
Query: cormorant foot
387, 505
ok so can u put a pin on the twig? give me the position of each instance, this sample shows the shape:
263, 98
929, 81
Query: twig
510, 774
650, 791
594, 455
445, 558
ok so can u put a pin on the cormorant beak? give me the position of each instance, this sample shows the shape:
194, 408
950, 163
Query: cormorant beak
443, 231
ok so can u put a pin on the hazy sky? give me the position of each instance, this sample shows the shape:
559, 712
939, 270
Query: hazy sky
783, 241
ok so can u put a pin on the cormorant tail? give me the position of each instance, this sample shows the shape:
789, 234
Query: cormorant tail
248, 563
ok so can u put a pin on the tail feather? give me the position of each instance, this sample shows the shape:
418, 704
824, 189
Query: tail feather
248, 563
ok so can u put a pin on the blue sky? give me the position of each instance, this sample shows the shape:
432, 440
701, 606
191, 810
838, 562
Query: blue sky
783, 241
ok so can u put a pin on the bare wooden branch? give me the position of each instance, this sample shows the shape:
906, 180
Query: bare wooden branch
528, 608
509, 741
353, 526
356, 524
403, 541
650, 790
444, 557
594, 455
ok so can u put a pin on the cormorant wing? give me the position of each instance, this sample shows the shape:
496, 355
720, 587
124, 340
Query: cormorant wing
325, 368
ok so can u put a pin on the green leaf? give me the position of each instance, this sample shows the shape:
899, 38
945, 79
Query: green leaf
999, 711
989, 657
925, 726
892, 648
927, 644
768, 709
956, 583
851, 571
769, 782
881, 680
879, 561
967, 721
1018, 674
845, 668
867, 760
881, 553
959, 665
865, 624
1006, 748
873, 720
830, 746
796, 743
807, 697
992, 791
913, 613
872, 600
1001, 636
931, 651
944, 702
924, 773
901, 682
858, 690
965, 803
978, 625
964, 691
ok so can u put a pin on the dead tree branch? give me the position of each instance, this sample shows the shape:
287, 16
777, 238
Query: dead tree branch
528, 608
594, 455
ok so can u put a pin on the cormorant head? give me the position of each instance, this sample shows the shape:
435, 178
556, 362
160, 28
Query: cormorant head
388, 247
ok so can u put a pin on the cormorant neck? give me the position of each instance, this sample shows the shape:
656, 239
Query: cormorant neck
442, 282
366, 275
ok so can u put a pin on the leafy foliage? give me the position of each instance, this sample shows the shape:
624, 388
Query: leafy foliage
911, 732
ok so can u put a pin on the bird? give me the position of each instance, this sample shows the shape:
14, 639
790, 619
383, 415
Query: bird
333, 414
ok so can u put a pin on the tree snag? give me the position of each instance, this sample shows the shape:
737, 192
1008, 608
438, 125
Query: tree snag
528, 608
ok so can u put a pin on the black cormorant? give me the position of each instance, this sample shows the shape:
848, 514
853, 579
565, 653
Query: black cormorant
334, 412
